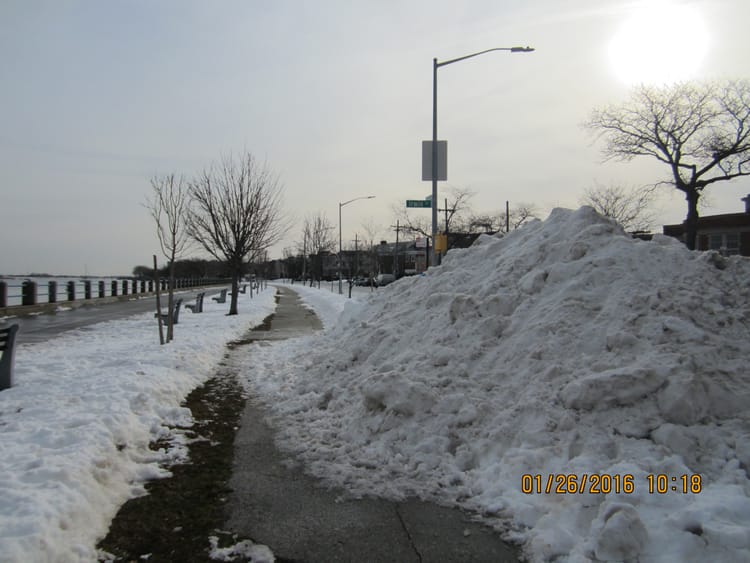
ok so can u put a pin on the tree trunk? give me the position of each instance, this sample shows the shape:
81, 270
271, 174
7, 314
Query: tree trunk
158, 302
691, 222
170, 306
235, 292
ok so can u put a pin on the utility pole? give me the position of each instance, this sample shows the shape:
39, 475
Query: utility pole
356, 254
398, 228
446, 215
447, 209
395, 258
507, 216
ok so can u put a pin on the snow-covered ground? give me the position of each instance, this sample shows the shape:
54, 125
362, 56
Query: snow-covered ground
75, 428
585, 392
565, 349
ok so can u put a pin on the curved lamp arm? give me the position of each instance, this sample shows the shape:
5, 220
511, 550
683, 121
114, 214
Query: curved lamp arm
511, 49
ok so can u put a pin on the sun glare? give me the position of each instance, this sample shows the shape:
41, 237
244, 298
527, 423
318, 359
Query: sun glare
662, 42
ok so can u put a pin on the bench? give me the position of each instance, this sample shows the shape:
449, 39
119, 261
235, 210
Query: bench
7, 347
175, 313
197, 307
222, 298
242, 289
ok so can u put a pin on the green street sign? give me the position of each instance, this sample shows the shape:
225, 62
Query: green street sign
419, 203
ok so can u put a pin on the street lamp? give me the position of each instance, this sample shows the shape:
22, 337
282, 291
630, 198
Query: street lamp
435, 66
341, 290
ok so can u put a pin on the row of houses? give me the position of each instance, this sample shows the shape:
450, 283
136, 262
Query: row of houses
400, 259
727, 233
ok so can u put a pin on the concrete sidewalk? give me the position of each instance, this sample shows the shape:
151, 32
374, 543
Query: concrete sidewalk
274, 502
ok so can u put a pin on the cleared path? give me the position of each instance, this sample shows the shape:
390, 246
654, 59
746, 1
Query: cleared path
274, 502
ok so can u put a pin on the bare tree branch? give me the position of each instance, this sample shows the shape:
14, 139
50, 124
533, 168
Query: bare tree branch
701, 132
236, 213
318, 236
499, 222
630, 207
458, 210
168, 206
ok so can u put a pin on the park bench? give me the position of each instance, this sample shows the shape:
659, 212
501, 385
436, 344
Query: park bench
7, 347
222, 298
242, 289
197, 307
175, 313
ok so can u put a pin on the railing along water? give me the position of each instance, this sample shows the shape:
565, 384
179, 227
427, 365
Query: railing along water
27, 291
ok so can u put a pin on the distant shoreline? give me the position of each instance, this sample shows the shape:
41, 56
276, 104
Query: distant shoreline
81, 277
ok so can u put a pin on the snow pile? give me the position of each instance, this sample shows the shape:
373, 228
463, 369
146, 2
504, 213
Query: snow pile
246, 549
75, 428
326, 302
565, 348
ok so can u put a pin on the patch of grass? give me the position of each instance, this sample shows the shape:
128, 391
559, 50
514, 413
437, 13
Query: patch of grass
173, 522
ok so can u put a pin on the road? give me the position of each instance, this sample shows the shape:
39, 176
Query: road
40, 327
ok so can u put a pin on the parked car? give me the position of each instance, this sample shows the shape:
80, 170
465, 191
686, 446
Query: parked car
384, 279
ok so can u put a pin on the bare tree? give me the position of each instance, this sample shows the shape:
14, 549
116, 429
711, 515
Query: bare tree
501, 221
448, 218
629, 207
168, 206
520, 214
317, 237
319, 233
370, 232
701, 132
236, 214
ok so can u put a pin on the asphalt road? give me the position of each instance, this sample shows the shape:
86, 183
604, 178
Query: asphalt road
43, 326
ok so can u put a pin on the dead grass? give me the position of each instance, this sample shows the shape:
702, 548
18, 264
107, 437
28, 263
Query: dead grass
173, 522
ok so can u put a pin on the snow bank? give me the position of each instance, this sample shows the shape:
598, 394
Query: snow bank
566, 348
75, 428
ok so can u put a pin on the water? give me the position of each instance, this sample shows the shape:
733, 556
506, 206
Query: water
15, 287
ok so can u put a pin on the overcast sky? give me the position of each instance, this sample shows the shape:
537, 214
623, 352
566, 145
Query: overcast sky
97, 97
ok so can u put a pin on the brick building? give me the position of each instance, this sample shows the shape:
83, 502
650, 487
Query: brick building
728, 233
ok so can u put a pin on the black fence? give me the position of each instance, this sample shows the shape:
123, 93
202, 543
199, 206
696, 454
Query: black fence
29, 292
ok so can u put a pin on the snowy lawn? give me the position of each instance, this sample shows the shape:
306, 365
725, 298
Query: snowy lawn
75, 428
583, 391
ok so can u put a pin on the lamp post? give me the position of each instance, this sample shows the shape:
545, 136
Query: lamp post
435, 66
341, 290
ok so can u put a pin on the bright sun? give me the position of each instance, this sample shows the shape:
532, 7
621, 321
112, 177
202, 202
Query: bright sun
661, 42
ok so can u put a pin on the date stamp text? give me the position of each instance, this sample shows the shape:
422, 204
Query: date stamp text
604, 484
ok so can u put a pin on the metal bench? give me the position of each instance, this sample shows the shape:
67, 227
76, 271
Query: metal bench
175, 313
222, 298
242, 289
197, 307
7, 347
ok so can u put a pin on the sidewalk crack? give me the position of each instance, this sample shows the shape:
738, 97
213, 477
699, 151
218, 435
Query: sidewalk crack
408, 535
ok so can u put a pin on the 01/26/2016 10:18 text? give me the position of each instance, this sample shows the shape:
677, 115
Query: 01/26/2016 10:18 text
594, 483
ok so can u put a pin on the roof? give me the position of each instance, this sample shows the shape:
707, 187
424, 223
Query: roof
724, 221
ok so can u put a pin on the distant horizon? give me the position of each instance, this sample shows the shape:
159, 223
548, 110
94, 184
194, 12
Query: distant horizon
45, 275
656, 230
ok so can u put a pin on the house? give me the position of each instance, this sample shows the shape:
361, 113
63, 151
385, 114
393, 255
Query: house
728, 233
400, 259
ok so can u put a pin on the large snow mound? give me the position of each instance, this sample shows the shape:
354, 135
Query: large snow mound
563, 348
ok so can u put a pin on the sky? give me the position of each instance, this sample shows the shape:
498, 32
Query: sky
336, 96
